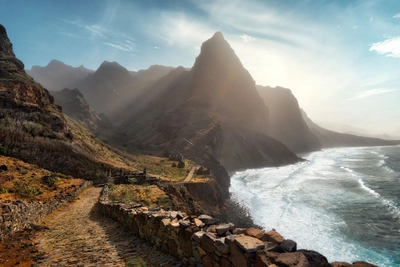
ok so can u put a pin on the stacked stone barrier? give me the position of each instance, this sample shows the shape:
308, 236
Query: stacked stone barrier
20, 214
205, 241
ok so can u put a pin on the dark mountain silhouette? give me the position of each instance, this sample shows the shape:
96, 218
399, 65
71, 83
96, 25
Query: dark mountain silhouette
212, 114
286, 123
109, 88
330, 139
57, 75
75, 106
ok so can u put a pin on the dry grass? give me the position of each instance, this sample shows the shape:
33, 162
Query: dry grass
148, 195
162, 167
22, 180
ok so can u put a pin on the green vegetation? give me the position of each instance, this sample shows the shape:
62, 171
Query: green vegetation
136, 261
148, 195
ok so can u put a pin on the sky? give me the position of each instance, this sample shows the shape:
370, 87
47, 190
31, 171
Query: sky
340, 58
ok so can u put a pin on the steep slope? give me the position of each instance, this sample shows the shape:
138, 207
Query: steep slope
57, 75
286, 122
75, 106
35, 130
154, 72
212, 114
334, 139
109, 88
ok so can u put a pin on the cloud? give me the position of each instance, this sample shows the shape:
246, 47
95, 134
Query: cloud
371, 92
397, 16
128, 46
247, 38
389, 47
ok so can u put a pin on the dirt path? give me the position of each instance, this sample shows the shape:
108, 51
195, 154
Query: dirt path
78, 235
190, 175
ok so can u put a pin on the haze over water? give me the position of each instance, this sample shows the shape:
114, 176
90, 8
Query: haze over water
342, 202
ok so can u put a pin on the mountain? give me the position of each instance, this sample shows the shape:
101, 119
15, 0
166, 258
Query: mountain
57, 75
334, 139
212, 114
154, 72
75, 106
286, 123
109, 88
34, 129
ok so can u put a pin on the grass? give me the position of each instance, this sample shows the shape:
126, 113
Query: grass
148, 195
162, 167
27, 181
136, 261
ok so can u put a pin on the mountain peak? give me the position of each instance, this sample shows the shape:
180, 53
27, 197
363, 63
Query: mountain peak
9, 64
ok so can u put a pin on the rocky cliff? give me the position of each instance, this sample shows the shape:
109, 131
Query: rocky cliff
286, 123
75, 106
212, 114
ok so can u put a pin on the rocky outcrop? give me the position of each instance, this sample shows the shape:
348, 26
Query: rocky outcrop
17, 89
286, 123
211, 114
75, 106
204, 241
20, 214
330, 139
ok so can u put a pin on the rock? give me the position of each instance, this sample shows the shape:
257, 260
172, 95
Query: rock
208, 220
262, 259
184, 223
286, 246
221, 246
181, 164
294, 259
239, 231
225, 262
273, 236
197, 236
206, 261
173, 248
341, 264
249, 244
223, 228
254, 232
184, 238
270, 246
237, 255
198, 223
363, 264
315, 258
207, 242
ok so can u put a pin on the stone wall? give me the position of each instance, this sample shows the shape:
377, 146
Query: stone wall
205, 241
18, 215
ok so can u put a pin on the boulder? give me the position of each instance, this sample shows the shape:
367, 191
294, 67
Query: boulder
341, 264
208, 241
184, 223
239, 231
363, 264
315, 258
197, 236
225, 262
254, 232
208, 220
294, 259
286, 246
221, 246
273, 236
206, 261
237, 255
223, 228
198, 222
249, 244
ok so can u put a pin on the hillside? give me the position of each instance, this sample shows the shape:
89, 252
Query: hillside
334, 139
75, 106
35, 130
286, 123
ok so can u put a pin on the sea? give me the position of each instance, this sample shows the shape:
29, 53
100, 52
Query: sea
342, 202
